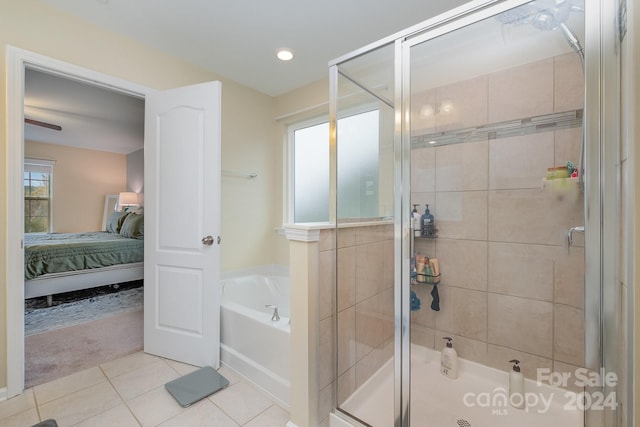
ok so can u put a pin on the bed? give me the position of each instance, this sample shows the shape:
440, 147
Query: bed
64, 262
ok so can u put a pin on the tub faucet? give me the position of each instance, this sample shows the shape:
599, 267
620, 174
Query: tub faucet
275, 316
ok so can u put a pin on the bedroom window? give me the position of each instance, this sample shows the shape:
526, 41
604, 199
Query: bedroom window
37, 181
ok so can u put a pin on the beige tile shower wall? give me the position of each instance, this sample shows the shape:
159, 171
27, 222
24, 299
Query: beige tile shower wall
364, 299
327, 319
511, 288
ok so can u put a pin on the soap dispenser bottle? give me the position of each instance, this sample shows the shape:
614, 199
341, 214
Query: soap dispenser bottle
449, 360
516, 386
427, 223
415, 221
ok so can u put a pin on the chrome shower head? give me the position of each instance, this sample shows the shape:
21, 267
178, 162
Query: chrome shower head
573, 41
545, 20
518, 16
546, 15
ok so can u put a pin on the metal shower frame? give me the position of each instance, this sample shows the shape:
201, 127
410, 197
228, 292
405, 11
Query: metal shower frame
601, 109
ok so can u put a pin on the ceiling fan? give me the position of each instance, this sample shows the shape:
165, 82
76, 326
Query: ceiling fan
42, 124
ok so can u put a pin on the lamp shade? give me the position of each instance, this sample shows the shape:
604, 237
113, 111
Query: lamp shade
128, 198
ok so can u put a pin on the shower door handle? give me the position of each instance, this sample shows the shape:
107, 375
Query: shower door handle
579, 229
208, 240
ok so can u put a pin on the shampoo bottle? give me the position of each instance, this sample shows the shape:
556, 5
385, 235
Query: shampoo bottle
415, 221
426, 223
449, 360
516, 386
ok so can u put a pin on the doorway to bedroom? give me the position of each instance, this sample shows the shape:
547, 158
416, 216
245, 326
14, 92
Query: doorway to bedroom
182, 264
93, 138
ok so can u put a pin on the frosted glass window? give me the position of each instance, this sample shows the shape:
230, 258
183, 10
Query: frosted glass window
311, 174
358, 152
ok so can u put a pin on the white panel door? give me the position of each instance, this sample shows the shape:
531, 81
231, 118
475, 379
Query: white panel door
182, 218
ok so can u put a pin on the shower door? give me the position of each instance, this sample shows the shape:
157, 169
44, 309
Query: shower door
485, 109
363, 123
494, 111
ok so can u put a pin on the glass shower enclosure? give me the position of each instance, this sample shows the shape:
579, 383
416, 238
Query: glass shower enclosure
466, 219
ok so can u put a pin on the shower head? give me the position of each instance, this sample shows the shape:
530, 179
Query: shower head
546, 15
543, 14
549, 15
545, 20
571, 38
518, 16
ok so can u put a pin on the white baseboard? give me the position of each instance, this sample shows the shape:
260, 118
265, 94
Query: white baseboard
290, 424
3, 394
269, 382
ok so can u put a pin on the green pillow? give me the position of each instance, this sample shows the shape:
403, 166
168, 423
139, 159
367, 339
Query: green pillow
133, 226
114, 223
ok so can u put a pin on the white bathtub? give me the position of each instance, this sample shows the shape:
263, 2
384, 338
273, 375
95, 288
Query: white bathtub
251, 343
477, 398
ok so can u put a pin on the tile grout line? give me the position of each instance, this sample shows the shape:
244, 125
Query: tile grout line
259, 413
37, 406
124, 402
240, 380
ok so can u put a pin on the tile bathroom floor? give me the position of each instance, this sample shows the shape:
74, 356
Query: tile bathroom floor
130, 392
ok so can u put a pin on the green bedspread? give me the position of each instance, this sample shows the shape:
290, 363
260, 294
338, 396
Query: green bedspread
57, 253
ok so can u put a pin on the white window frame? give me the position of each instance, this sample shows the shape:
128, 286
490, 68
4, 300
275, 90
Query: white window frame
44, 166
292, 128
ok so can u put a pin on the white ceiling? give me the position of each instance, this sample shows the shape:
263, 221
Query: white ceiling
91, 117
234, 39
237, 39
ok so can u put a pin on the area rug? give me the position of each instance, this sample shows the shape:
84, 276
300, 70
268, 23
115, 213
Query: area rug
73, 308
61, 352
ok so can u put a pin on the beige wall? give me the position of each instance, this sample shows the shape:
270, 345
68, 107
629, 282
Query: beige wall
327, 316
81, 180
305, 102
248, 220
364, 303
135, 171
501, 239
302, 104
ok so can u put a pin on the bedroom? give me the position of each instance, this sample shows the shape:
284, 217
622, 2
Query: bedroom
98, 153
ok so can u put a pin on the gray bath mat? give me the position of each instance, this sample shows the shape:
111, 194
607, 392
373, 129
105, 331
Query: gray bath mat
195, 386
46, 423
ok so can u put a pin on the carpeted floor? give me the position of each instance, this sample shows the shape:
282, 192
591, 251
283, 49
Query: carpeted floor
82, 330
64, 351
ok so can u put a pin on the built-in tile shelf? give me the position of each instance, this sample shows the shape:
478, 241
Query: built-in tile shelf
525, 126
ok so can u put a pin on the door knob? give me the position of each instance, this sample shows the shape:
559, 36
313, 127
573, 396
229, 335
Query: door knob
207, 240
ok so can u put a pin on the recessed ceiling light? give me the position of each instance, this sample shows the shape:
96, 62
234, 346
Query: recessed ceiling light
284, 54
